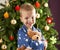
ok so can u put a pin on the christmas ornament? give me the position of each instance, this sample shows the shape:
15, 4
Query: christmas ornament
53, 40
7, 3
41, 11
13, 21
37, 15
6, 15
49, 20
11, 37
4, 47
37, 4
17, 8
46, 27
46, 5
1, 41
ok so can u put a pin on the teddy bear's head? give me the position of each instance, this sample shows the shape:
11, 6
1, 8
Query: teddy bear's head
34, 35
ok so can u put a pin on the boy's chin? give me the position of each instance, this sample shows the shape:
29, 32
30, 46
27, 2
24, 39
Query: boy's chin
29, 26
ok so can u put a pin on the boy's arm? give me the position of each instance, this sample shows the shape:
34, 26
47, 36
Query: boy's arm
36, 44
20, 41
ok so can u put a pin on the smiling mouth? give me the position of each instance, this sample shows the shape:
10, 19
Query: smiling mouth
29, 24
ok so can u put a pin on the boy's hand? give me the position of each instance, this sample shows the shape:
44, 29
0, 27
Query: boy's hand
45, 43
21, 48
28, 48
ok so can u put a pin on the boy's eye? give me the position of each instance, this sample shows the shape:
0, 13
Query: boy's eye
26, 18
32, 17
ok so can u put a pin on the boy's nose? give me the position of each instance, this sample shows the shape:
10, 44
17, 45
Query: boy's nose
29, 20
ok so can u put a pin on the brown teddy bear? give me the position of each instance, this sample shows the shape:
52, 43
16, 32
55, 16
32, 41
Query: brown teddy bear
35, 35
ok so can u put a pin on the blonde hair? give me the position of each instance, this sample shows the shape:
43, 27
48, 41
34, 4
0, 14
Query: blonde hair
26, 7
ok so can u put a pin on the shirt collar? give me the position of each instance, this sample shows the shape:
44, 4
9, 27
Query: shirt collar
25, 29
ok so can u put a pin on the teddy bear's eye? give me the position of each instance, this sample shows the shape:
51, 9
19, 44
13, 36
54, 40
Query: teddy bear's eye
34, 34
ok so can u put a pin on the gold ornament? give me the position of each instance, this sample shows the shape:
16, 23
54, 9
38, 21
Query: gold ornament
13, 21
1, 40
37, 15
4, 47
46, 27
46, 4
6, 15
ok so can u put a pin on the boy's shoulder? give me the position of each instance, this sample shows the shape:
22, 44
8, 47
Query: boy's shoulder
23, 28
20, 29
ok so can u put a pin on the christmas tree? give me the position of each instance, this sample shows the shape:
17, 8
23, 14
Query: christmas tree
10, 23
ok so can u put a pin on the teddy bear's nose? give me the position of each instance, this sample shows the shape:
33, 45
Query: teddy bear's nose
37, 37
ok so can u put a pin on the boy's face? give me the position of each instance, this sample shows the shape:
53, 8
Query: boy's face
28, 18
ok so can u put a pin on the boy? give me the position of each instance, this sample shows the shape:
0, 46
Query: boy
28, 18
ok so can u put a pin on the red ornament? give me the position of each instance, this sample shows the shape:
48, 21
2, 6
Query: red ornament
37, 4
49, 20
17, 8
11, 38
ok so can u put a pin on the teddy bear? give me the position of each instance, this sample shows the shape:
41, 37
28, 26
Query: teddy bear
35, 35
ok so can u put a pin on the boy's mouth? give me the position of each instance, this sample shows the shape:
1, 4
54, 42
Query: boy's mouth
29, 24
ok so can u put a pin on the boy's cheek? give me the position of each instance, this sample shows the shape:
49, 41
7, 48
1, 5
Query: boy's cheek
34, 21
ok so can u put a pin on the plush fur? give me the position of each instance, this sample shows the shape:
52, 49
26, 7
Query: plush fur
34, 35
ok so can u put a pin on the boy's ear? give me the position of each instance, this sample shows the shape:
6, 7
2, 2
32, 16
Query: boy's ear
36, 15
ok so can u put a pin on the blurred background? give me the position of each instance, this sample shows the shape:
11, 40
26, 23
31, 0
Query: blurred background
55, 10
